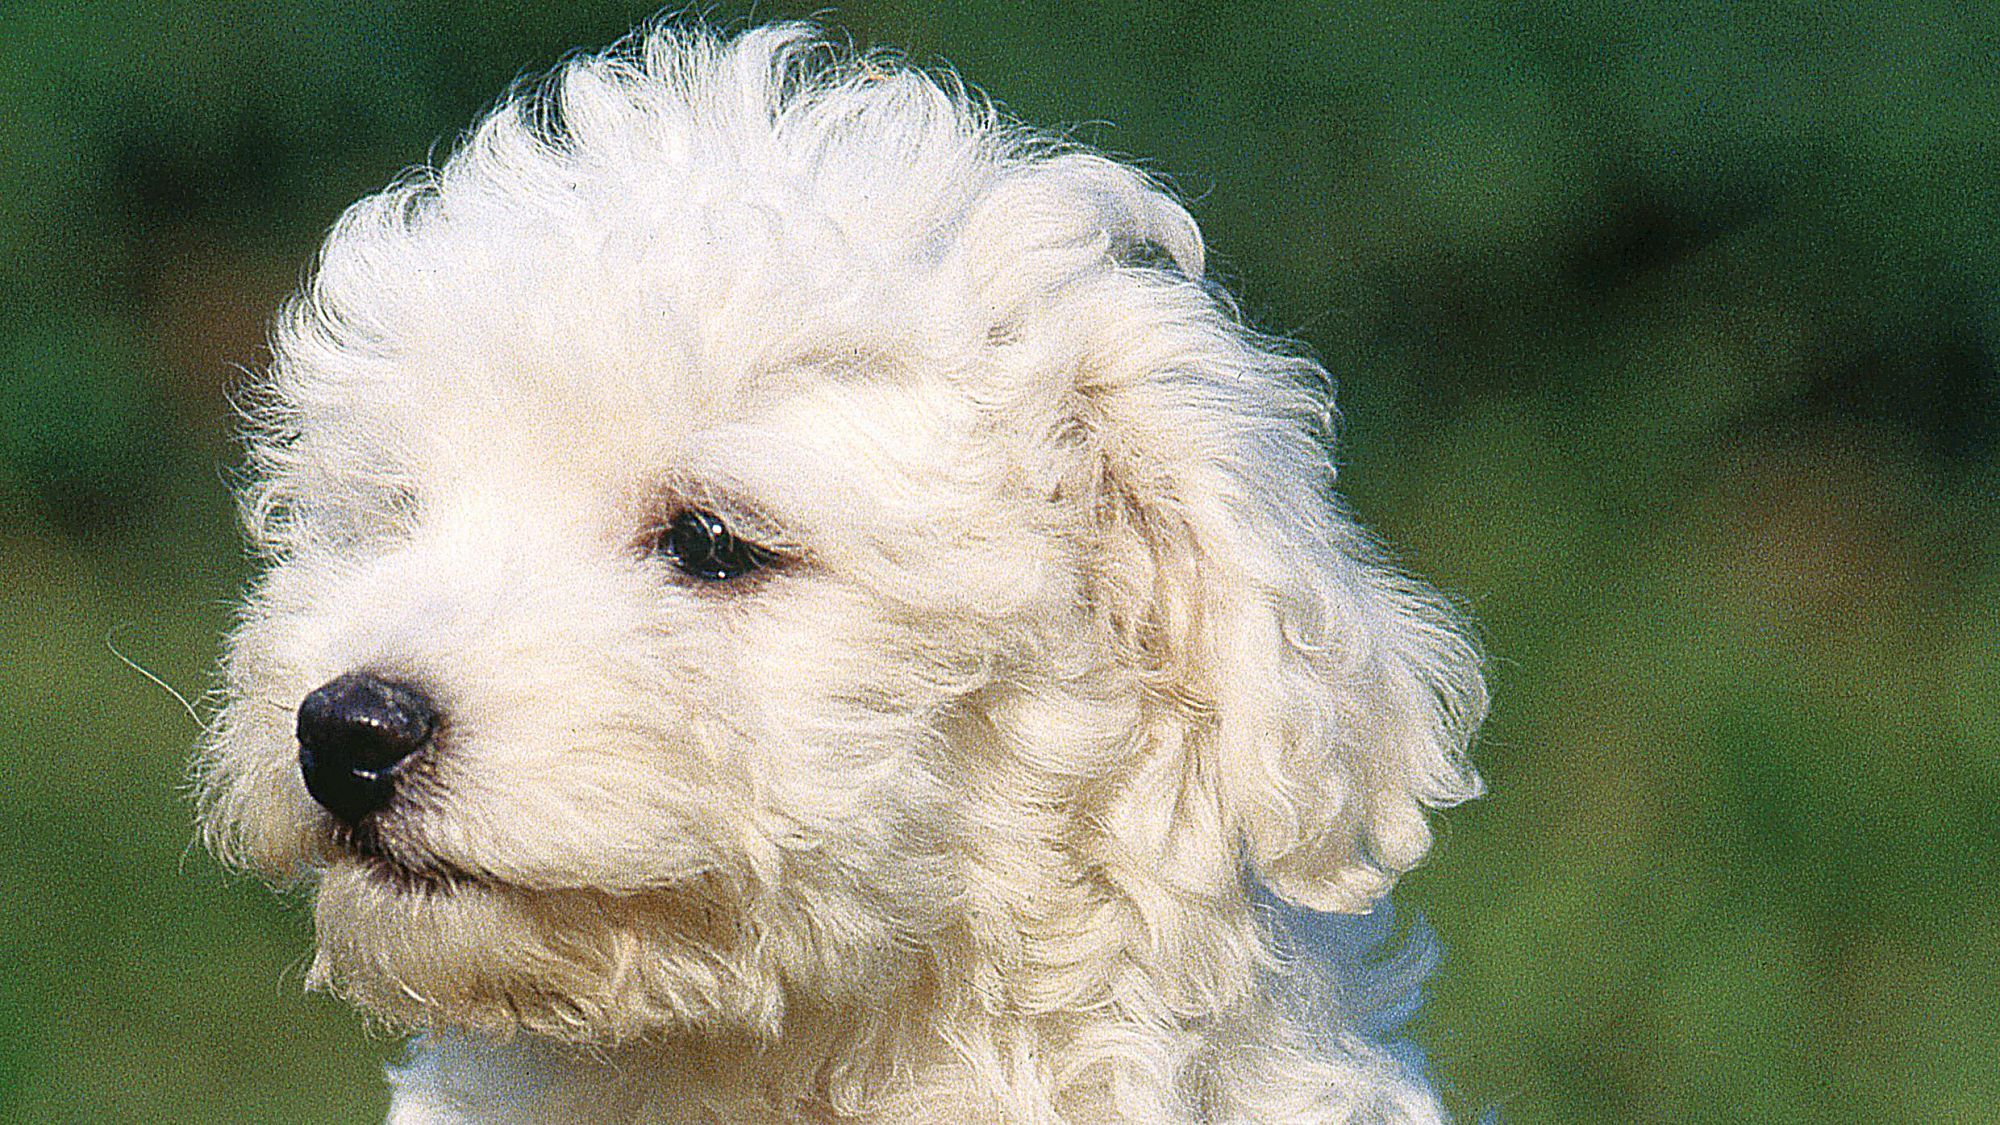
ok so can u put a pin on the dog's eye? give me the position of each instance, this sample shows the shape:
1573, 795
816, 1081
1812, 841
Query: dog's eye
700, 545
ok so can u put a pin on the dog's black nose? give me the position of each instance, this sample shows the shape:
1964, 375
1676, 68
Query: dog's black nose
353, 732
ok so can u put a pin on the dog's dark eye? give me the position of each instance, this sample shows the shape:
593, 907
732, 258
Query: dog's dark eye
700, 545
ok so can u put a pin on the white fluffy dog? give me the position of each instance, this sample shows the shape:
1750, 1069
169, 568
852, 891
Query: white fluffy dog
791, 601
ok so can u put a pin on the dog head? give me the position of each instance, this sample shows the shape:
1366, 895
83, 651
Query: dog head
754, 528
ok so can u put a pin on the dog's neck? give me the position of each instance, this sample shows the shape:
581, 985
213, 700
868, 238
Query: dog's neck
895, 1066
817, 1067
454, 1076
1231, 1071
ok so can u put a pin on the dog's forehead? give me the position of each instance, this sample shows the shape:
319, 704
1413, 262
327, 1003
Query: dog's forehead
651, 325
607, 418
725, 273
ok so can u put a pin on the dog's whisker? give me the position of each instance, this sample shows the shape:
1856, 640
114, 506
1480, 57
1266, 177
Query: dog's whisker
111, 645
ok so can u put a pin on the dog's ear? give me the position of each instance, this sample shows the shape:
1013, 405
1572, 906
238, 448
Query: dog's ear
1327, 700
1308, 702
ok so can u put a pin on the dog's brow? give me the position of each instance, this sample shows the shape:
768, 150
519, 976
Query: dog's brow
737, 502
846, 362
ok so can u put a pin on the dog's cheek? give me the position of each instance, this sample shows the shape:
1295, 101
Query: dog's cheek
842, 698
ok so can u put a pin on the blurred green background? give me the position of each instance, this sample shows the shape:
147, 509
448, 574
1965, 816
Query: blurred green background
1666, 342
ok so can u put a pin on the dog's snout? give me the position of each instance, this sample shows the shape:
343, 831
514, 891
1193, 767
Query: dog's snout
353, 733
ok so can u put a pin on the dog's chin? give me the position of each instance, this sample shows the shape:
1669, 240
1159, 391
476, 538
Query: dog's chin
424, 947
389, 863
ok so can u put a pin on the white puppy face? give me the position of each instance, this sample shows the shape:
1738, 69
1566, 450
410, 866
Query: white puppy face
624, 724
812, 545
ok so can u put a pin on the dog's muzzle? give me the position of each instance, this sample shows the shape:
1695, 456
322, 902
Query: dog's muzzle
355, 732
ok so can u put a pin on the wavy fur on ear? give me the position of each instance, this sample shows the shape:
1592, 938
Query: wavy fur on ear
1321, 699
1318, 700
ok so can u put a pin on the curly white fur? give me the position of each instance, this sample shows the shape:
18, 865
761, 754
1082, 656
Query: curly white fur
946, 818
